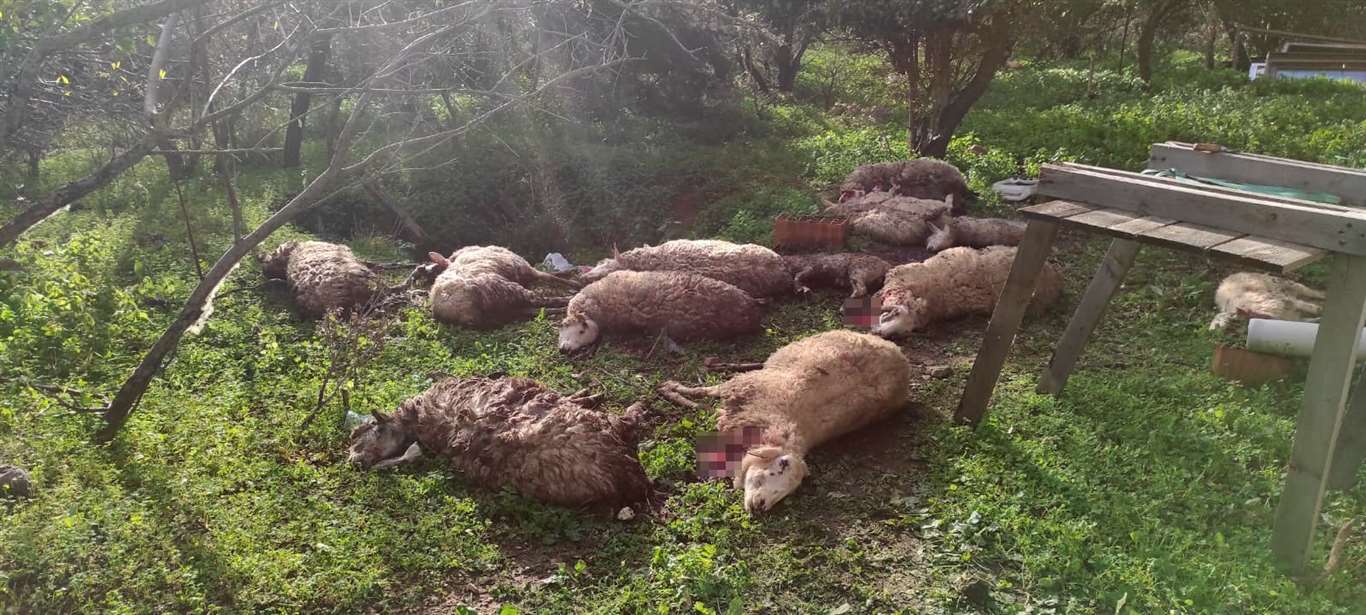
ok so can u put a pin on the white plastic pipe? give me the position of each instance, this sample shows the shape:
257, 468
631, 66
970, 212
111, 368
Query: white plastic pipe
1288, 337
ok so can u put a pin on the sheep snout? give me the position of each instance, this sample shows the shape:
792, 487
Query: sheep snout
767, 483
577, 335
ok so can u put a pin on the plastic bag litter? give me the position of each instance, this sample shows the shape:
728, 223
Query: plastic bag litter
1015, 189
556, 262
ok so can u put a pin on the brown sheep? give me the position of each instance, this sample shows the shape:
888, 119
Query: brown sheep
954, 283
754, 269
857, 272
322, 276
974, 233
681, 305
486, 286
513, 432
1260, 295
923, 178
807, 393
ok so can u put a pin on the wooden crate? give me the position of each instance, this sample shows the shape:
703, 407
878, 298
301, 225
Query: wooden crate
809, 232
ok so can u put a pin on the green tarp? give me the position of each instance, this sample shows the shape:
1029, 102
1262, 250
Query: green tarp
1281, 191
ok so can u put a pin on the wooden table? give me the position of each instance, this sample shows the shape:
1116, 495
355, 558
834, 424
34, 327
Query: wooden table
1266, 232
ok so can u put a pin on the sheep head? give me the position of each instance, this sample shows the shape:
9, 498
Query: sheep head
375, 441
577, 332
942, 238
900, 320
275, 264
768, 474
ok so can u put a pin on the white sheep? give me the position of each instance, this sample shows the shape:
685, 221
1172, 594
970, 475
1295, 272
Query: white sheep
754, 269
923, 178
807, 393
485, 286
680, 305
1259, 295
512, 432
974, 233
857, 272
322, 276
954, 283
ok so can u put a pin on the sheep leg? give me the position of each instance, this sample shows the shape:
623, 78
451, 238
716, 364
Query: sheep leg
678, 394
413, 453
554, 279
800, 280
1307, 308
860, 287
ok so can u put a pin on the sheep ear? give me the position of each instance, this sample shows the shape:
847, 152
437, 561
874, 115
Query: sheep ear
438, 258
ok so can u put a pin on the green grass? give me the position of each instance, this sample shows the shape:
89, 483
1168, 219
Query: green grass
1148, 486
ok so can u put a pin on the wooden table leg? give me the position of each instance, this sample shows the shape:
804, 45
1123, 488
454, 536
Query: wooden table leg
1350, 452
1320, 420
1118, 259
1005, 320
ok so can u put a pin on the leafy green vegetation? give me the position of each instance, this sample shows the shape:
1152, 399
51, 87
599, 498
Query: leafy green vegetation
1149, 486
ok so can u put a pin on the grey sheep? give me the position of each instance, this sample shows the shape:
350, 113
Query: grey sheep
922, 178
754, 269
682, 306
1260, 295
485, 286
891, 219
807, 393
858, 272
512, 432
322, 276
974, 233
954, 283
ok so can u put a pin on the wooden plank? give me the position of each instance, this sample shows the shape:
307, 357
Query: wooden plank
1055, 209
1142, 225
1192, 235
1350, 453
1103, 218
1339, 231
1005, 320
1284, 256
1320, 420
1347, 183
1215, 189
1109, 276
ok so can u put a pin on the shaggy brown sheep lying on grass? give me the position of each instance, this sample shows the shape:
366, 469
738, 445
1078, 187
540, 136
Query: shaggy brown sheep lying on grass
1260, 295
954, 283
923, 178
485, 286
322, 276
683, 306
754, 269
807, 393
513, 432
857, 272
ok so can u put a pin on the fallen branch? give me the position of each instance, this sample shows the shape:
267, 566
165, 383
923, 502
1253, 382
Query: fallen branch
713, 364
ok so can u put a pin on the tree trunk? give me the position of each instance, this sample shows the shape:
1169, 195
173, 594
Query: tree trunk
787, 64
69, 193
936, 140
294, 132
1237, 51
755, 73
1211, 39
177, 166
1147, 35
35, 156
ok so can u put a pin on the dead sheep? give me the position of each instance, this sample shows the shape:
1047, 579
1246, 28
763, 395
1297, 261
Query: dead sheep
322, 276
859, 273
754, 269
954, 283
807, 393
922, 178
1259, 295
682, 306
486, 286
512, 432
891, 219
974, 233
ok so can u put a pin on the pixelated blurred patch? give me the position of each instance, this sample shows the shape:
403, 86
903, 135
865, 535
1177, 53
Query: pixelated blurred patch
719, 454
861, 312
